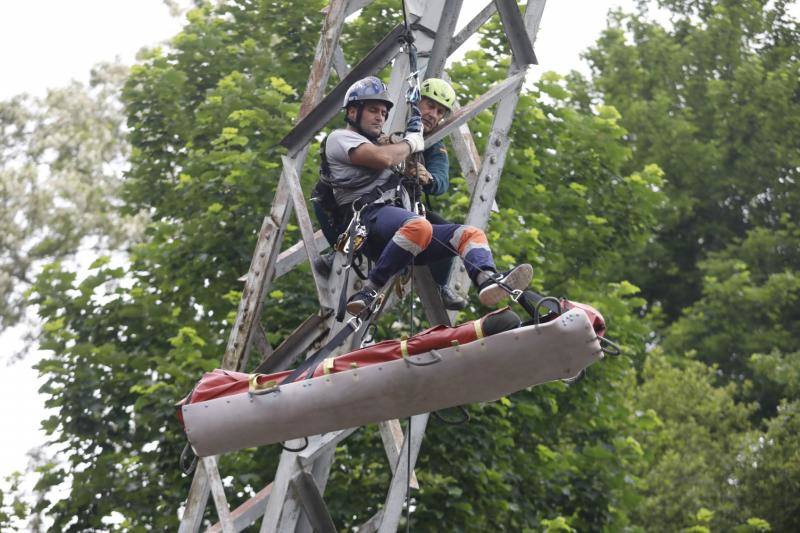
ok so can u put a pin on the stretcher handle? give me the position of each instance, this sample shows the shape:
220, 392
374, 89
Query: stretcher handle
437, 357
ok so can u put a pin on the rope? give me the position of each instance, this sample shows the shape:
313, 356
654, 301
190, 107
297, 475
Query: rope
515, 294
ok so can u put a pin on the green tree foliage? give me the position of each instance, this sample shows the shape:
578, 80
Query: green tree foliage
747, 320
129, 339
712, 99
61, 160
691, 432
770, 470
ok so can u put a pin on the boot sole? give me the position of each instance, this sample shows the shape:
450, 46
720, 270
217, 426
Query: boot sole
517, 279
355, 308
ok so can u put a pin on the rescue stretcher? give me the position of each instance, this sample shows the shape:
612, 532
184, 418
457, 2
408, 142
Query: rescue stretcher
441, 367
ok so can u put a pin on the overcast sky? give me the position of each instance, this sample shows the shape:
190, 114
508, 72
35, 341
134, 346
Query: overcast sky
46, 43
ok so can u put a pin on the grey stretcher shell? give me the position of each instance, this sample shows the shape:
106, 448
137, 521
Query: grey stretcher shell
480, 371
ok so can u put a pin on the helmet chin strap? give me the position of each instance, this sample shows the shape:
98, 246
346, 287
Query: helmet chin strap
356, 124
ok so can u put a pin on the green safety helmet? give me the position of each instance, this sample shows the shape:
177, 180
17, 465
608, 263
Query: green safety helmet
439, 91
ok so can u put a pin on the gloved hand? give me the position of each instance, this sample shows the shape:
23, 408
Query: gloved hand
424, 176
414, 122
415, 141
414, 169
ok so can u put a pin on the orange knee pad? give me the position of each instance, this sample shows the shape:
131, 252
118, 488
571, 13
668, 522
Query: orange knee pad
414, 236
468, 237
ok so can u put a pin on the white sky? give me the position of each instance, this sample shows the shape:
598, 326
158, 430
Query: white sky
46, 43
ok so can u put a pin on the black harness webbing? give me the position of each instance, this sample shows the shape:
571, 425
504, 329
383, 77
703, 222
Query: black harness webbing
312, 362
350, 253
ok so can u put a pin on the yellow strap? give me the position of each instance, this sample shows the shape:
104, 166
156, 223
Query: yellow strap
255, 386
404, 347
327, 365
478, 328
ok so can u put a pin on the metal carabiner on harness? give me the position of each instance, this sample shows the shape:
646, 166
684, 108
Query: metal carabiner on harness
354, 236
413, 95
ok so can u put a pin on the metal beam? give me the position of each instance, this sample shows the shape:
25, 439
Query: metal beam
371, 525
196, 502
429, 295
247, 513
218, 492
340, 63
287, 468
471, 27
514, 28
392, 437
261, 343
444, 34
258, 281
315, 120
318, 445
296, 254
312, 502
355, 5
306, 229
295, 344
393, 505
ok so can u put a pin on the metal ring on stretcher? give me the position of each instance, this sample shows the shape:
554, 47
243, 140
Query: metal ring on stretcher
464, 417
182, 462
437, 357
616, 347
536, 315
295, 450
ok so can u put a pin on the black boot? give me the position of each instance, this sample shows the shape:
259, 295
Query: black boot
325, 263
451, 299
361, 300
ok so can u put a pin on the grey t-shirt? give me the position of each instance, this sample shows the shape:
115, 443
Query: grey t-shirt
350, 181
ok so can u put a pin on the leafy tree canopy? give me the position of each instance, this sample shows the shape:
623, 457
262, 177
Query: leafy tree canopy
712, 99
61, 160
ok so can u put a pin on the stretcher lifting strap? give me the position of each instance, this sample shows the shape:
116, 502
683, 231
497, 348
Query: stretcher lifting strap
311, 363
478, 328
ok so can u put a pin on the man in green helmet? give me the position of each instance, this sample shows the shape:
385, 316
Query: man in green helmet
437, 100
